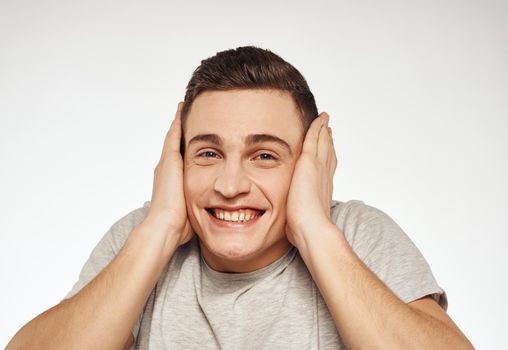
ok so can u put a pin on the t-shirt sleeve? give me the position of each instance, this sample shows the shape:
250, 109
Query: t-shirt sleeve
104, 252
388, 252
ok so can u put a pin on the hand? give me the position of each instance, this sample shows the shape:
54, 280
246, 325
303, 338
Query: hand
310, 193
167, 210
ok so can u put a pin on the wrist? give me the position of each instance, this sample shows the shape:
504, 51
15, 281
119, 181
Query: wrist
159, 239
316, 234
304, 227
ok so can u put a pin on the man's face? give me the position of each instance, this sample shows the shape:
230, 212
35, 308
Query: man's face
240, 153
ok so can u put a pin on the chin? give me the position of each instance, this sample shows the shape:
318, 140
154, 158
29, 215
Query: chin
230, 248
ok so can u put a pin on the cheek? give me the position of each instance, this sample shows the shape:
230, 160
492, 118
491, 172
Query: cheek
274, 184
196, 181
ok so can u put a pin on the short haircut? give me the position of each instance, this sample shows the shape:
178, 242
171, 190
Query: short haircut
250, 67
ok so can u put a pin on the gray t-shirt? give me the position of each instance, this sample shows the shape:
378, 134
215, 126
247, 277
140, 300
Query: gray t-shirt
276, 307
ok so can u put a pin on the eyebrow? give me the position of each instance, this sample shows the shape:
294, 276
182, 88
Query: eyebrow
250, 140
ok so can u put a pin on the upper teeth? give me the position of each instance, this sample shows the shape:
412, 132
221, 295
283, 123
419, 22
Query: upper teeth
237, 215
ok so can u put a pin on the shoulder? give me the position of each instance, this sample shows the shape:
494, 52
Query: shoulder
356, 213
108, 247
120, 230
387, 251
133, 217
353, 209
361, 222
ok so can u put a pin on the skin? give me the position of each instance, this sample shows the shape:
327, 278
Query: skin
257, 175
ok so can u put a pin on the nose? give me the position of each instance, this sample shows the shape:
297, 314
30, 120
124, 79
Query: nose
232, 180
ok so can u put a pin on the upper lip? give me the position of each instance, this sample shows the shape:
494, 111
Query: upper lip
234, 208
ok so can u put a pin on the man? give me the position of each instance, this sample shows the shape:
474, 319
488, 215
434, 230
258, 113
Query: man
242, 246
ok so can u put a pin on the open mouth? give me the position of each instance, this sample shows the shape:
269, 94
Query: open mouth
240, 216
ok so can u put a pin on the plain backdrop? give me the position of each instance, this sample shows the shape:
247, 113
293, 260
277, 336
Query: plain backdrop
416, 91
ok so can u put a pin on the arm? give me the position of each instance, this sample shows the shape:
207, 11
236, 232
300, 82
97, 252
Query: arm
365, 311
102, 314
90, 319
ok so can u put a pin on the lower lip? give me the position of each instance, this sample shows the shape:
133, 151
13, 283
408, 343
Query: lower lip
232, 224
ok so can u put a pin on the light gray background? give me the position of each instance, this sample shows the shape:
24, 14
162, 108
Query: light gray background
417, 93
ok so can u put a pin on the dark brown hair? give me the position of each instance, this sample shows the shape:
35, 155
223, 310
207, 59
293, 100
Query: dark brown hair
250, 67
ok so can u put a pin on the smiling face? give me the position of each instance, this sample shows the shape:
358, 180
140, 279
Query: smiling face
240, 153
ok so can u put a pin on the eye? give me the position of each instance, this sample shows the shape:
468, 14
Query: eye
266, 156
207, 154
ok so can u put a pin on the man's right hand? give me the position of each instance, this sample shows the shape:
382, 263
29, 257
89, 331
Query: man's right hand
168, 213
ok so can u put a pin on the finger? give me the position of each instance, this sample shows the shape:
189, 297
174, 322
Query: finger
331, 165
311, 138
325, 155
324, 145
330, 199
331, 133
332, 146
174, 134
333, 155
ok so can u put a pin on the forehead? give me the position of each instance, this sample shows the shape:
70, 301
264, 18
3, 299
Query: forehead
234, 114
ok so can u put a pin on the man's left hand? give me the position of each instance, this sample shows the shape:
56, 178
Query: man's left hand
310, 193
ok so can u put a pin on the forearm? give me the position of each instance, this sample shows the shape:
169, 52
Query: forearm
102, 314
366, 313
